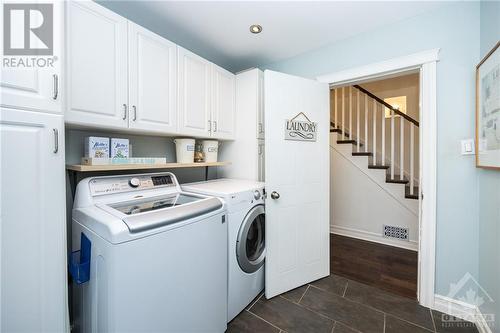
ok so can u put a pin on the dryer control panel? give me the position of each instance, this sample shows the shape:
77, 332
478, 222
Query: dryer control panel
118, 184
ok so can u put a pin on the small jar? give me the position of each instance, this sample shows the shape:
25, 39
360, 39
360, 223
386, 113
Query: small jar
199, 156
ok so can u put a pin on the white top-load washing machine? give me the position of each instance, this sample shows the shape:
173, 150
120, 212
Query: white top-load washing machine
246, 222
157, 256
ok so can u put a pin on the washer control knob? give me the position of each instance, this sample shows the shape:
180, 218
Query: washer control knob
134, 182
256, 195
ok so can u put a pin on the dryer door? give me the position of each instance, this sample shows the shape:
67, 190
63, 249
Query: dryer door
250, 244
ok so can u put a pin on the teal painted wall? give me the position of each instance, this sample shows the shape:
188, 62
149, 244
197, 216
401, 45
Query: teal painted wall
489, 190
455, 29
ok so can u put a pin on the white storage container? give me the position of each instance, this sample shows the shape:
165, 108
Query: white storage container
184, 149
210, 150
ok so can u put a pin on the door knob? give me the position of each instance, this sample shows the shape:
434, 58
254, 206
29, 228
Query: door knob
275, 195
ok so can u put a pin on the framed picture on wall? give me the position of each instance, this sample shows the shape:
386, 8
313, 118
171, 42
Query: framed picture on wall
488, 110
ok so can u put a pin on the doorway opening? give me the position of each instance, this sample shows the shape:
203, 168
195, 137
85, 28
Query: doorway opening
425, 63
374, 161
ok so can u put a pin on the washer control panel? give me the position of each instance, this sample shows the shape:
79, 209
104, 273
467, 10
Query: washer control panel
112, 185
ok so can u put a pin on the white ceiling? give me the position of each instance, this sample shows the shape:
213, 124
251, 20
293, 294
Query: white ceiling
219, 31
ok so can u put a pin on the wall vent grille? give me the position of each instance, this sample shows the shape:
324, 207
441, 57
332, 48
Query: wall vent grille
396, 232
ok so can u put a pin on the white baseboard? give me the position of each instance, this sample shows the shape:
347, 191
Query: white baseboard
372, 237
461, 310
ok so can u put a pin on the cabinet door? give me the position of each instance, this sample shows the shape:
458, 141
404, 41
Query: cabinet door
223, 111
96, 66
194, 94
152, 81
33, 292
35, 88
260, 102
261, 161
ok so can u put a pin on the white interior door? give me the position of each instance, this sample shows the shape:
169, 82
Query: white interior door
297, 223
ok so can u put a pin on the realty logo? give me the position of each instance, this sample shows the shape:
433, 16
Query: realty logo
28, 29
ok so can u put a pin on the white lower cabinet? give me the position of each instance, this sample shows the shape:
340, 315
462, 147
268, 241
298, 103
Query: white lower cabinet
35, 88
152, 81
33, 289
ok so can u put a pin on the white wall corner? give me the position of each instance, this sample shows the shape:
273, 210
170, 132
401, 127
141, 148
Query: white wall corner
461, 310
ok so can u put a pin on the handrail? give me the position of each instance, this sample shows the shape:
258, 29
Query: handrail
387, 105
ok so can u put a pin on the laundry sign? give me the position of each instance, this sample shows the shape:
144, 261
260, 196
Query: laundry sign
300, 130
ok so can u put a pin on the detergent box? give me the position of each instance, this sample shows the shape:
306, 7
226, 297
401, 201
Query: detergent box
119, 148
96, 147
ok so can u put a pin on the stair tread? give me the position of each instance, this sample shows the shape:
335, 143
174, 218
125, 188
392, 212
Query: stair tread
362, 153
411, 196
396, 180
346, 141
383, 167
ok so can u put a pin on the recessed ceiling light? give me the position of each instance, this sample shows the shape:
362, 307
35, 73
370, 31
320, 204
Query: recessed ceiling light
255, 28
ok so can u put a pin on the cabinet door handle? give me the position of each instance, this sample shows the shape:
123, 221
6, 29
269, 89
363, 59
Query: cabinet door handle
215, 126
56, 140
135, 113
124, 111
209, 126
55, 80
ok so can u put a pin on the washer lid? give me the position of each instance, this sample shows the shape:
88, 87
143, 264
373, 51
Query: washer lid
137, 222
223, 187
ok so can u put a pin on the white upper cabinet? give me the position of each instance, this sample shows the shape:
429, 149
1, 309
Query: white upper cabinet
35, 89
152, 81
123, 76
223, 111
97, 66
194, 94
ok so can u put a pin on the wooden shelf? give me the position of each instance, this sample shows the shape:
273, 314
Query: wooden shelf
112, 167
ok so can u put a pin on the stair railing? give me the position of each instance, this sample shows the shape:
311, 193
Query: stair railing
355, 134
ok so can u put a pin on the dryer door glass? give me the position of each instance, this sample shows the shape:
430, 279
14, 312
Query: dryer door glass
250, 246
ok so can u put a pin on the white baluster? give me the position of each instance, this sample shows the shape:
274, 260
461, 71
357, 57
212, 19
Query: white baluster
350, 113
392, 144
358, 137
366, 124
401, 148
335, 119
374, 121
343, 122
383, 135
412, 151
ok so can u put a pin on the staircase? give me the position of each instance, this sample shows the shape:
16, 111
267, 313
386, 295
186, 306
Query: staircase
385, 136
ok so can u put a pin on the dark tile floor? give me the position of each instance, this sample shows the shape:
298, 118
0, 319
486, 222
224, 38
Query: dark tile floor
338, 305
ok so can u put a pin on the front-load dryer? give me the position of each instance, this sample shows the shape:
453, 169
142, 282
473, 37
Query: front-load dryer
244, 201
